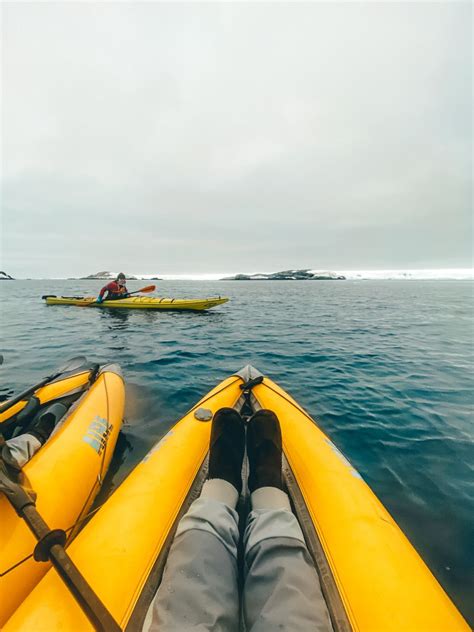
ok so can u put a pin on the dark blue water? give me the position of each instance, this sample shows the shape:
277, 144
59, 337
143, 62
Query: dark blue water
385, 366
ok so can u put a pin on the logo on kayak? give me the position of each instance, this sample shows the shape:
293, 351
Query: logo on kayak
98, 433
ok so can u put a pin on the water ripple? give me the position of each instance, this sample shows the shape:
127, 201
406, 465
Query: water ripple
385, 367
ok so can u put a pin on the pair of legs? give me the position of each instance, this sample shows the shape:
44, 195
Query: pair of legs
199, 590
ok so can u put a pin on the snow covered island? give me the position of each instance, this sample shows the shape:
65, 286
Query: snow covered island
289, 275
107, 276
5, 277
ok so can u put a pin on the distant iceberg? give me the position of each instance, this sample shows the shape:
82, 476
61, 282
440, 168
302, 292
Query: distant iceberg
288, 275
458, 274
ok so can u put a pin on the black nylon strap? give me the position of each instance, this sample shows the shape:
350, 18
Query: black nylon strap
247, 386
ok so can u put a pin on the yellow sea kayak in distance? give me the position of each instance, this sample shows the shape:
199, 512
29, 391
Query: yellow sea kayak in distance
139, 302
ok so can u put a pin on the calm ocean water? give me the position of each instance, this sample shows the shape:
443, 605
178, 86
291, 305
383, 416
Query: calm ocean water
385, 366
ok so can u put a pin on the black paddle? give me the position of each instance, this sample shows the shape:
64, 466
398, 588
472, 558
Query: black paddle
71, 365
51, 547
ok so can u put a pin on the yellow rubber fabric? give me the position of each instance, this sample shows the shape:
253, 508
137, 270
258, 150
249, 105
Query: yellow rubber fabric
119, 546
141, 302
66, 474
50, 392
384, 584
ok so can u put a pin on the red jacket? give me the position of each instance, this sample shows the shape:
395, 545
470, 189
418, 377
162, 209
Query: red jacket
114, 290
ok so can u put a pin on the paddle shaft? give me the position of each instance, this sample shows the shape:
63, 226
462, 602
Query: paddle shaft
23, 395
89, 602
26, 393
148, 288
53, 550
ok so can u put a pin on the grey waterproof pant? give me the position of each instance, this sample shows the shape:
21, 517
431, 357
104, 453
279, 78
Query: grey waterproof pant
23, 447
199, 590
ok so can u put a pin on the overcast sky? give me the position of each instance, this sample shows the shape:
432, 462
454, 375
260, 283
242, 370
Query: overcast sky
233, 137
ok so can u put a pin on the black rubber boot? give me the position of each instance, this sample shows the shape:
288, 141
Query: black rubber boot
264, 450
44, 424
226, 447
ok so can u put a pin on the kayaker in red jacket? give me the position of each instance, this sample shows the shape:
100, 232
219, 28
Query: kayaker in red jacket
115, 289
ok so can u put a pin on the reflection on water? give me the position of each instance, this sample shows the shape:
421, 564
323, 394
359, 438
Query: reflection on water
5, 392
115, 318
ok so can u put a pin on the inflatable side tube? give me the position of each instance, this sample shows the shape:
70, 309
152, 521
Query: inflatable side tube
382, 582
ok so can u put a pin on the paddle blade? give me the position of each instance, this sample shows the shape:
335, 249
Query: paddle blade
71, 365
148, 288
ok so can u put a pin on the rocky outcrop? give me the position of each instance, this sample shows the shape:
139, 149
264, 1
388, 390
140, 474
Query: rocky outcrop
289, 275
107, 276
5, 277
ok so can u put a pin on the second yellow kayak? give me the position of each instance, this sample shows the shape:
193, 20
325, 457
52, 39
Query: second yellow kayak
66, 473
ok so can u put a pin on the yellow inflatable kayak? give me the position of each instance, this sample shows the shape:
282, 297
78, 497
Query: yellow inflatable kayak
139, 302
372, 577
67, 471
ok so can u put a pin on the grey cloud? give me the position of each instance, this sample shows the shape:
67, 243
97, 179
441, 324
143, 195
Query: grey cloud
278, 135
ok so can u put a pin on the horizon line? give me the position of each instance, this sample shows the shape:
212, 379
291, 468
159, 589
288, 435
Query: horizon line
464, 273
